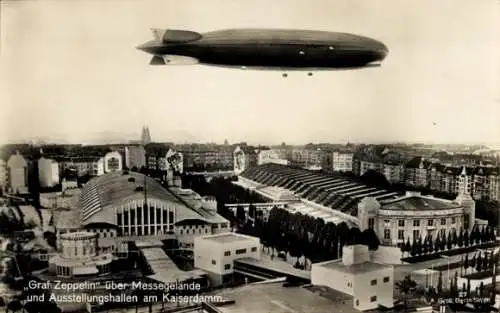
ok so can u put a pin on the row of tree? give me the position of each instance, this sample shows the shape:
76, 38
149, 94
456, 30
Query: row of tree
480, 262
303, 235
442, 242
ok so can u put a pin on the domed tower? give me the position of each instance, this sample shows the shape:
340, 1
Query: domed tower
368, 214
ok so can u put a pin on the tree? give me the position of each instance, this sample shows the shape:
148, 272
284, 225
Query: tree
437, 244
479, 262
484, 235
440, 283
466, 263
240, 213
473, 262
431, 244
466, 238
369, 238
449, 242
468, 288
460, 239
485, 266
454, 238
407, 246
252, 211
406, 287
13, 306
413, 250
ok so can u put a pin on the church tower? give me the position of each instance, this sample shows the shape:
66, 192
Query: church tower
145, 137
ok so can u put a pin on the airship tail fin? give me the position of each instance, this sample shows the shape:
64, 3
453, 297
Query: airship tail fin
158, 33
157, 60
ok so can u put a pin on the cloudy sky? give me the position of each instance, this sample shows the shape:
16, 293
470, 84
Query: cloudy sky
70, 72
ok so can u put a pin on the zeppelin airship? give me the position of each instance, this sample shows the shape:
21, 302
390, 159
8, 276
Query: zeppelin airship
265, 49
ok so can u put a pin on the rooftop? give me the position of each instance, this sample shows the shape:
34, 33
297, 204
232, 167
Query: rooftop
227, 237
355, 268
112, 189
414, 203
273, 297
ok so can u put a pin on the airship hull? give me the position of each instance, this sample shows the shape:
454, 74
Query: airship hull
271, 48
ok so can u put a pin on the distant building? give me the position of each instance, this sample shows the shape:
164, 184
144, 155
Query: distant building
48, 172
135, 156
244, 157
18, 173
374, 165
342, 161
3, 174
370, 284
416, 172
215, 254
88, 165
112, 162
486, 183
207, 157
269, 156
415, 216
393, 172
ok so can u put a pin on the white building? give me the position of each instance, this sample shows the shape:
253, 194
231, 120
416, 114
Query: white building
18, 173
342, 161
135, 156
78, 256
269, 156
112, 162
370, 284
175, 161
48, 172
215, 254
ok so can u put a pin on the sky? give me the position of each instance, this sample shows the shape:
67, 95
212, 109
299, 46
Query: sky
70, 72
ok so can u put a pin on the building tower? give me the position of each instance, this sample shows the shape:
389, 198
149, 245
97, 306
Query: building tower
146, 136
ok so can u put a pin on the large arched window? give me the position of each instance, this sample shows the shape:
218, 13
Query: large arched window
113, 164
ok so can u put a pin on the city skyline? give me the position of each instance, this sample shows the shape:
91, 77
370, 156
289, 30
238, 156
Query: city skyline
74, 67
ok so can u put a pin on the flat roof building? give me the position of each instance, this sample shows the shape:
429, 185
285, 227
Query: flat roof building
370, 284
216, 254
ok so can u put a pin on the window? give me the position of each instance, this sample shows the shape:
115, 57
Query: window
443, 221
227, 253
227, 267
213, 262
371, 223
453, 220
466, 221
386, 279
401, 223
241, 251
357, 302
373, 282
373, 299
387, 223
401, 234
254, 249
387, 234
430, 222
416, 223
416, 234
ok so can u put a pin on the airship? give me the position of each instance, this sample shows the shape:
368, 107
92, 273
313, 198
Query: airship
265, 49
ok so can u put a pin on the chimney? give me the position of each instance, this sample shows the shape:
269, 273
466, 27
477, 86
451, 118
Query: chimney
355, 254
